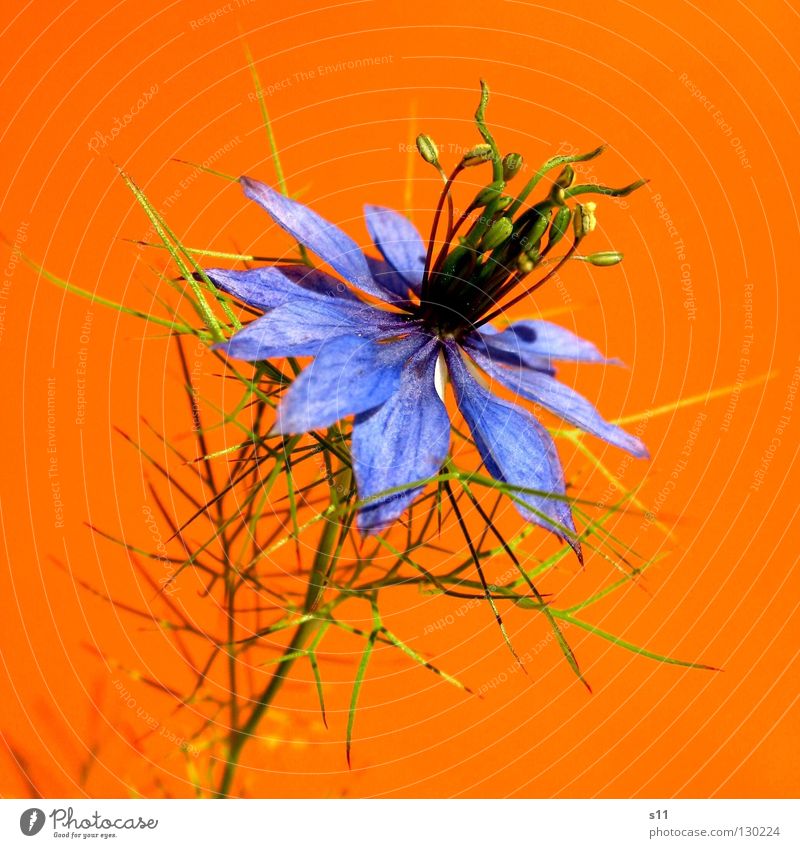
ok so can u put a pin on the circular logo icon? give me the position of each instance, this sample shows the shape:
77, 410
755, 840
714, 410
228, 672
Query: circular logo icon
31, 821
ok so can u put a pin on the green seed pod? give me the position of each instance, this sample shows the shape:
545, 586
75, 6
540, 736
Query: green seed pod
427, 149
477, 155
560, 224
498, 233
604, 258
488, 194
540, 224
512, 162
583, 222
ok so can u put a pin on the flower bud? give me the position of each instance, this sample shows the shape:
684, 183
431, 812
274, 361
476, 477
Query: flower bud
604, 258
528, 260
524, 264
488, 194
427, 149
566, 178
560, 224
512, 162
540, 224
499, 231
477, 155
584, 221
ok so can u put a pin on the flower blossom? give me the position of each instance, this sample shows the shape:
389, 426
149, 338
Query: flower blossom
386, 335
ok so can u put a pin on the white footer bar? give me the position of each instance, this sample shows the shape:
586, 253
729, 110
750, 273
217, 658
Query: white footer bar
401, 823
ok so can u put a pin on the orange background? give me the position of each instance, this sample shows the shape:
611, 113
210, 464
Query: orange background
699, 101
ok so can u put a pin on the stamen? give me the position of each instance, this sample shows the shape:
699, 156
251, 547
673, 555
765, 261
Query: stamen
517, 279
444, 196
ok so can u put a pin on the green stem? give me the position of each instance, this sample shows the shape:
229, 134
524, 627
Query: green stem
316, 585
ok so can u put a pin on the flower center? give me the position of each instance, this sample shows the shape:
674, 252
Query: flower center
481, 256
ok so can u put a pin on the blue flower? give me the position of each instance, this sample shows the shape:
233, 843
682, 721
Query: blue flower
384, 361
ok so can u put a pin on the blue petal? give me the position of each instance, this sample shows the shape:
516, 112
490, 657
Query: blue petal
516, 450
482, 342
300, 326
266, 288
349, 375
317, 234
399, 242
386, 277
533, 340
405, 440
562, 400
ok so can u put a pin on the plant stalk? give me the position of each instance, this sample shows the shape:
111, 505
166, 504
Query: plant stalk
316, 585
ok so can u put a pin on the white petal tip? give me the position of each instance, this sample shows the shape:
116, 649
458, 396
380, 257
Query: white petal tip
440, 375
